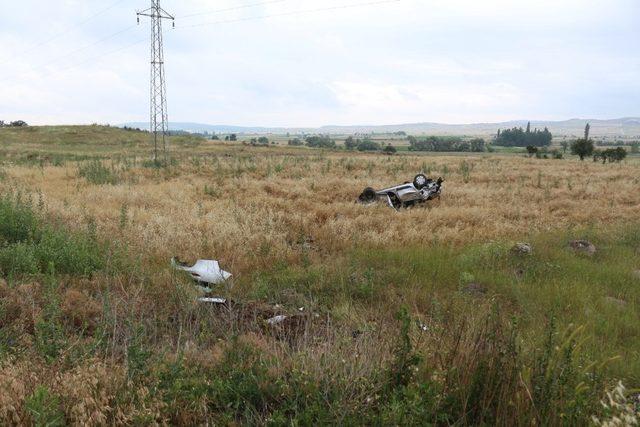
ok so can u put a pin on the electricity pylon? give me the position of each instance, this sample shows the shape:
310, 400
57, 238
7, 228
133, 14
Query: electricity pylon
159, 122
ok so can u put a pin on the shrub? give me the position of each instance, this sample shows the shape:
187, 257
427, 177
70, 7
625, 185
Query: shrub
70, 253
446, 144
615, 154
50, 338
402, 368
44, 408
19, 258
350, 143
582, 148
28, 247
18, 221
97, 173
368, 145
390, 149
320, 141
477, 145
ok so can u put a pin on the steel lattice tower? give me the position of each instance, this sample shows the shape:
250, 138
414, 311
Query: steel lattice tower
159, 123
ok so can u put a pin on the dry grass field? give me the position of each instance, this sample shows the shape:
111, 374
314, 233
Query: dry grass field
422, 316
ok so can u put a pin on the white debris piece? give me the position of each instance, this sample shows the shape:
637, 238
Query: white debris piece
276, 320
206, 271
213, 300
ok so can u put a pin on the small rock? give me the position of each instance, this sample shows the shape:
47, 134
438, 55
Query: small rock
522, 249
583, 246
475, 289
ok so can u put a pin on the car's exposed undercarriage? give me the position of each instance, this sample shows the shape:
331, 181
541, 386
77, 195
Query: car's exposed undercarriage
421, 190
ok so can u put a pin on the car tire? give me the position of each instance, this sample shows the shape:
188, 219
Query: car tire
368, 195
420, 181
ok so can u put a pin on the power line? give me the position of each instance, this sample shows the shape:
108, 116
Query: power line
101, 56
73, 52
246, 6
85, 61
64, 32
137, 42
297, 12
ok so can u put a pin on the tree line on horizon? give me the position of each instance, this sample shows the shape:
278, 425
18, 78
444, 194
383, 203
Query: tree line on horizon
13, 124
446, 143
519, 137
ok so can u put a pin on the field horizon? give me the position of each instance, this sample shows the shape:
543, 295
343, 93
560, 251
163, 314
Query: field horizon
619, 127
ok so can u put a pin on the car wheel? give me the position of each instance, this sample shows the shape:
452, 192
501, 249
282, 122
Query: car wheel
368, 195
420, 181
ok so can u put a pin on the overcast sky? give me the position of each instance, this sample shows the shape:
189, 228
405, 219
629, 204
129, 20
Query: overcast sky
453, 61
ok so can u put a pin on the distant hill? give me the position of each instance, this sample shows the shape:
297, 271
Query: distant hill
625, 127
81, 140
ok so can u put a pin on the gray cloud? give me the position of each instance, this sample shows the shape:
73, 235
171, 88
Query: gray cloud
411, 60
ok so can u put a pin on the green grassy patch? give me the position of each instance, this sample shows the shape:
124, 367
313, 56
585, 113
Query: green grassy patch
600, 292
30, 246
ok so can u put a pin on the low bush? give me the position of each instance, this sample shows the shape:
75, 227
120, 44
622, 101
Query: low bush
97, 173
320, 141
28, 246
44, 408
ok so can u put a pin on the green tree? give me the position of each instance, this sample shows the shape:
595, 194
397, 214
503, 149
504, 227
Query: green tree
565, 146
233, 137
614, 155
532, 150
320, 141
587, 128
477, 145
582, 148
368, 145
518, 137
350, 143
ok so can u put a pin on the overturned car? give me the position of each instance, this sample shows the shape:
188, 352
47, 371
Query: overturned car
421, 190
